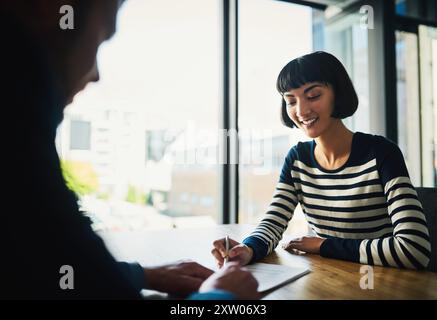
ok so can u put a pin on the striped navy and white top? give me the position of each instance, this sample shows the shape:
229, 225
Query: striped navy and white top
367, 210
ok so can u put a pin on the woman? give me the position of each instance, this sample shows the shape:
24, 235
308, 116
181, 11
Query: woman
353, 188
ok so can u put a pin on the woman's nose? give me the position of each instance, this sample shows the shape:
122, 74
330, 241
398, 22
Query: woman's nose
302, 109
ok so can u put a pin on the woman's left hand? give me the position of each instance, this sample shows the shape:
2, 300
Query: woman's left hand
305, 244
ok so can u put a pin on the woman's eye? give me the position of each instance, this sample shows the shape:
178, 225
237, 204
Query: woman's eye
291, 103
314, 97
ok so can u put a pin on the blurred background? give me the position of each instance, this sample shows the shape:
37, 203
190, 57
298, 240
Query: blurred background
144, 147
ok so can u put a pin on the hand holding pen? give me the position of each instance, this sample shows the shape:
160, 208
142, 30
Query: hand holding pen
227, 249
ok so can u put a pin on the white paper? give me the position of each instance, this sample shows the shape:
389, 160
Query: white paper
270, 276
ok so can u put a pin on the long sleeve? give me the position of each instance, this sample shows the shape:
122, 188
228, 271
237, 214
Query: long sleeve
269, 231
134, 272
409, 246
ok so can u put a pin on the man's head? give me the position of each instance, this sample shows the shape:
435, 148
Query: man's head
73, 52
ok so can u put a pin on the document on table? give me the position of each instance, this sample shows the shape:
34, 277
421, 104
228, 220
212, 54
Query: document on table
271, 276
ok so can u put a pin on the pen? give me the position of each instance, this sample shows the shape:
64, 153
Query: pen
227, 249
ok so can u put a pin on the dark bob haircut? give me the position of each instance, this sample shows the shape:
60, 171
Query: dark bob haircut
320, 67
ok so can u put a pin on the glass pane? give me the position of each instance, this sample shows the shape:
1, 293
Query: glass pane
80, 135
268, 39
428, 92
408, 102
410, 8
159, 89
348, 41
423, 9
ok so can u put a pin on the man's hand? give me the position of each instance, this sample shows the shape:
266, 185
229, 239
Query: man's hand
305, 244
178, 279
234, 279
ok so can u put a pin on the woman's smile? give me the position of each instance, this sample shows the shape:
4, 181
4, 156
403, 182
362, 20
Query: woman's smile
308, 123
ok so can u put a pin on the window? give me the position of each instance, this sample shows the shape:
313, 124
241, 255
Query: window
416, 65
423, 9
408, 102
428, 91
80, 135
348, 41
271, 33
149, 128
159, 88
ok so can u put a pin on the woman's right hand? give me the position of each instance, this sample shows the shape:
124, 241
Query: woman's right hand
239, 252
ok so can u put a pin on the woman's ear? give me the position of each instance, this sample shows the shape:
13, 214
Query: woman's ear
285, 118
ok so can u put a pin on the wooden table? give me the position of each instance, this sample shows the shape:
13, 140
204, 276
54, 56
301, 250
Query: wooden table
329, 278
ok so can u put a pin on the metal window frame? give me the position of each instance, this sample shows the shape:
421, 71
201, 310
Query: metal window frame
229, 184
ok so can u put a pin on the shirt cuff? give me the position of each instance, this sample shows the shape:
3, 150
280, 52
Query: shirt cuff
258, 246
212, 295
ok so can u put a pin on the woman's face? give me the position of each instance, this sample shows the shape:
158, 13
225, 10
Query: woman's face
310, 107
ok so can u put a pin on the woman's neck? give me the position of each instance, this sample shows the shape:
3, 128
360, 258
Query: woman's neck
334, 145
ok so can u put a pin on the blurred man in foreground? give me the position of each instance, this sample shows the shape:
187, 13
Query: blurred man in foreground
43, 68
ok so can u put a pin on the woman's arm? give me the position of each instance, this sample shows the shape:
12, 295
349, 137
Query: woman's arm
268, 233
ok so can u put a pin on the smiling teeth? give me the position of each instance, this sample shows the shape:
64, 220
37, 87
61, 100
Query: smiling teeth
308, 122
